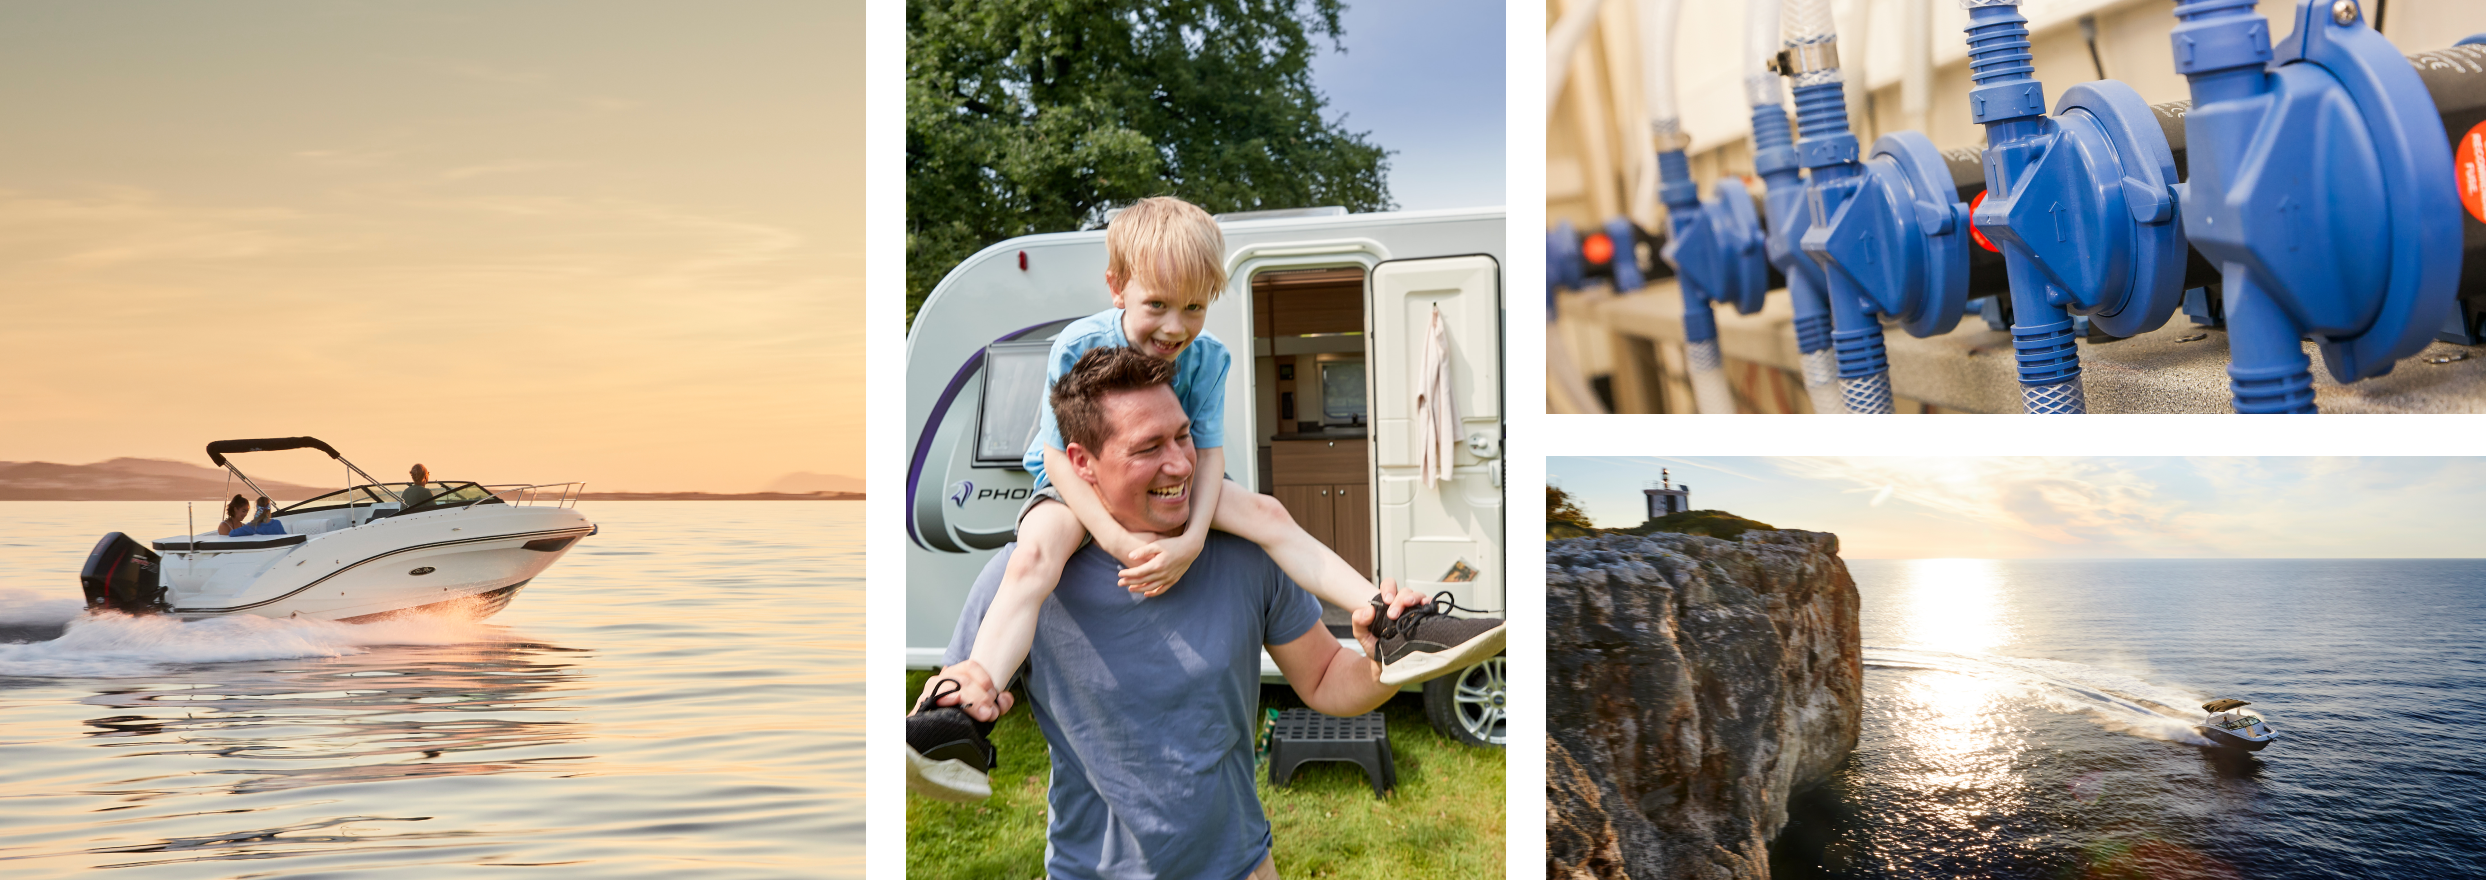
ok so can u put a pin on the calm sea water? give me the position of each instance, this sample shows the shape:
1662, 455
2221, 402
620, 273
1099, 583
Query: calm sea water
2032, 719
679, 696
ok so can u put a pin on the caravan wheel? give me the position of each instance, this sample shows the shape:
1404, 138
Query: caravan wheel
1470, 705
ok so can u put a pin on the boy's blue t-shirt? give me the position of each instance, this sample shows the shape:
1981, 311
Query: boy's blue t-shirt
1199, 382
1149, 709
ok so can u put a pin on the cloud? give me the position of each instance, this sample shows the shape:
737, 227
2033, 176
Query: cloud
490, 168
1704, 465
2092, 505
115, 226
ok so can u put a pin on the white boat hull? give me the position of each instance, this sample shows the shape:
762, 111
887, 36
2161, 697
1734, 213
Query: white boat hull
2231, 740
469, 561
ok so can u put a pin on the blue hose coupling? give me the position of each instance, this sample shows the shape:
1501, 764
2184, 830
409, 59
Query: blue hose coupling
1789, 215
2318, 167
1900, 237
1624, 237
1716, 248
1563, 267
2083, 205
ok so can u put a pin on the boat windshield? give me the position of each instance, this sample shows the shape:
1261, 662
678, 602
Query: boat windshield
2238, 721
445, 494
359, 496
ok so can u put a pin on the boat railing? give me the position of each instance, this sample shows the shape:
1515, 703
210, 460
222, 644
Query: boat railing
563, 495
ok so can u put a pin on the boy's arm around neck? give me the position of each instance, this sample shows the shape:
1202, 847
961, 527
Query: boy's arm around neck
1082, 500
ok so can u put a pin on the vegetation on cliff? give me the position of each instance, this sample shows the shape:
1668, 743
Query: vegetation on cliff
1563, 517
1714, 523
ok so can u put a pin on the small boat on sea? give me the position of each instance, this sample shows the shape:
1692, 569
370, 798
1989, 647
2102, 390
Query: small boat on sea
2231, 726
370, 552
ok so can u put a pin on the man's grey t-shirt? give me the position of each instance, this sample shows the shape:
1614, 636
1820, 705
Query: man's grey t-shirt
1148, 707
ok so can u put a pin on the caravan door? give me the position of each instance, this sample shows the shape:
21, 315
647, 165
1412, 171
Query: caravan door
1446, 535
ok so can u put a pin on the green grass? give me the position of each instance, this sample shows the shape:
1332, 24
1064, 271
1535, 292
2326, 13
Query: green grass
1555, 531
1714, 523
1444, 820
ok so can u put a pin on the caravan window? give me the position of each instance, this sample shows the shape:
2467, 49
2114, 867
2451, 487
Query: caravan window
1013, 389
1342, 391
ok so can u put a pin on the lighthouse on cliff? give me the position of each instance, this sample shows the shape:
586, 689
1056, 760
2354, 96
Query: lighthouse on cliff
1665, 497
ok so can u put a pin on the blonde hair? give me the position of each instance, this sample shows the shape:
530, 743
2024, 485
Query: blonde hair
1169, 245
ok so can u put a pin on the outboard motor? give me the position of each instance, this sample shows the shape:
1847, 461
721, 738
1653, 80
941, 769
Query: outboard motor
123, 575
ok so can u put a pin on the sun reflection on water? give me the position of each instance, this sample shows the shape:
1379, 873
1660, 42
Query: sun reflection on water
1960, 753
1953, 605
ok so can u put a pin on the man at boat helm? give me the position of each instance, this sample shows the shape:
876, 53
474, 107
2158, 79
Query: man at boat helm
1148, 704
416, 494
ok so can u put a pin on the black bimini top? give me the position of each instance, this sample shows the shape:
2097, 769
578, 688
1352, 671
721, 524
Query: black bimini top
2224, 705
216, 451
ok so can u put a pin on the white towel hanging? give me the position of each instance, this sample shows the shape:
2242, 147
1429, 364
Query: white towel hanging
1437, 407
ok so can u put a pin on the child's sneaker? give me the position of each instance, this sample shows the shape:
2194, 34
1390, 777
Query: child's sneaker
948, 755
1425, 642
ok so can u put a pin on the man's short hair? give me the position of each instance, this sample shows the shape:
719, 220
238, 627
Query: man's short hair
1078, 397
1168, 245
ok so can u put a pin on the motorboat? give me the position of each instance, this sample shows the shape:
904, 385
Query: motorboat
370, 552
2230, 725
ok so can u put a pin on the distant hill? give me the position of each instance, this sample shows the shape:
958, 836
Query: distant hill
713, 496
806, 482
130, 479
152, 479
1714, 523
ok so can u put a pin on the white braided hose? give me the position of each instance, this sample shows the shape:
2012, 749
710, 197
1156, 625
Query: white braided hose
1710, 393
2056, 399
1867, 396
1821, 381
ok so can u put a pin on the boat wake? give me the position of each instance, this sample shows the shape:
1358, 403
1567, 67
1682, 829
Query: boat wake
2116, 700
46, 637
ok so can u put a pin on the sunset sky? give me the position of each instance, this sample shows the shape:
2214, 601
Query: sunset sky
2007, 508
609, 241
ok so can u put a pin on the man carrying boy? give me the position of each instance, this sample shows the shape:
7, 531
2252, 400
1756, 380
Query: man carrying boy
1148, 704
1165, 262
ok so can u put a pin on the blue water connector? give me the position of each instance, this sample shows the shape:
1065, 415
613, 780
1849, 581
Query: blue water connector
1902, 239
1889, 233
1773, 157
2081, 204
2317, 185
1715, 247
1828, 151
1624, 237
1562, 263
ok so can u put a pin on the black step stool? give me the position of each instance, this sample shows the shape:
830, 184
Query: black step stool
1302, 736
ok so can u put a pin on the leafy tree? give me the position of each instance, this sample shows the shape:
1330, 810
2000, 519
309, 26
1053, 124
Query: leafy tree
1559, 508
1027, 116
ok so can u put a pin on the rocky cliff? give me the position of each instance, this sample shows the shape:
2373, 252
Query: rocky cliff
1693, 685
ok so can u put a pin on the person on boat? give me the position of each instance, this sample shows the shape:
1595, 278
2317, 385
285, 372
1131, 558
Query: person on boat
234, 513
416, 494
262, 523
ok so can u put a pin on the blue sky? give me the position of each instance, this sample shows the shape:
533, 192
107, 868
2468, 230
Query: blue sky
2012, 508
1426, 80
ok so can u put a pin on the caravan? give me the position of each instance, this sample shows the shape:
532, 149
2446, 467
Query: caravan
1326, 313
